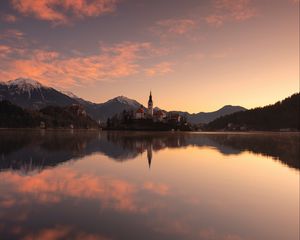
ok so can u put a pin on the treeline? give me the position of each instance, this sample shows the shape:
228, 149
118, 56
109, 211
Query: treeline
12, 116
283, 115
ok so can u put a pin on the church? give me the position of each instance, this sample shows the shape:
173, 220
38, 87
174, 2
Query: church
149, 113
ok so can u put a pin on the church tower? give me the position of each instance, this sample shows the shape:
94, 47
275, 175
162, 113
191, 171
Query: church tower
150, 105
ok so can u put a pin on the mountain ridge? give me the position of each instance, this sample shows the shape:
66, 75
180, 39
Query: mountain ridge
282, 115
29, 93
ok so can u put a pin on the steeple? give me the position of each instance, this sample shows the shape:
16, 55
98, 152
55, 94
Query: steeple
150, 105
150, 97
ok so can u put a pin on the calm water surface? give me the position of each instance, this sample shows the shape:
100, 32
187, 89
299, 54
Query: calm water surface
126, 185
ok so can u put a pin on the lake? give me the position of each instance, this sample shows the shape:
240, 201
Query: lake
143, 185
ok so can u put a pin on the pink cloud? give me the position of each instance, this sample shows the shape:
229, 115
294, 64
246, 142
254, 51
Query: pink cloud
159, 69
172, 28
61, 11
230, 10
47, 188
53, 186
5, 50
12, 34
9, 18
176, 26
55, 69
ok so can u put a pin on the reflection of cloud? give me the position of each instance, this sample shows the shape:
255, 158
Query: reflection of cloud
49, 234
211, 234
230, 10
7, 203
157, 188
57, 10
62, 232
52, 186
174, 226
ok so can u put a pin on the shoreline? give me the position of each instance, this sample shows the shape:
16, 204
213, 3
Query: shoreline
145, 131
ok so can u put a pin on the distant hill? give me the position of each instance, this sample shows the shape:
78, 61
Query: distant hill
12, 116
281, 115
30, 94
206, 117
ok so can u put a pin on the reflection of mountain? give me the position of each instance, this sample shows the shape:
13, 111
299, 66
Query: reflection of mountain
29, 151
282, 147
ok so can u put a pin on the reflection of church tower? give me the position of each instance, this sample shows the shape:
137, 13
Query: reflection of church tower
149, 154
150, 105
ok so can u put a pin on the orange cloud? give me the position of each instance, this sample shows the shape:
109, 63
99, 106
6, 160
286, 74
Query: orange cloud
230, 10
57, 10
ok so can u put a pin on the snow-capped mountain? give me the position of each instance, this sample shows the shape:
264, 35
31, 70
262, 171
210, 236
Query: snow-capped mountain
24, 84
31, 94
125, 100
102, 111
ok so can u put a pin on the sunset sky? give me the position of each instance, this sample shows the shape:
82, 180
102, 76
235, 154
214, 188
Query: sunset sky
195, 55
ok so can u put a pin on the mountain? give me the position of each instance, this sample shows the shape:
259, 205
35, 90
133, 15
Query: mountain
284, 114
114, 106
12, 116
206, 117
28, 93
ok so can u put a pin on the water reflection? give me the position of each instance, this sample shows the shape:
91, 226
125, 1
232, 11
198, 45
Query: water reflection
33, 151
200, 186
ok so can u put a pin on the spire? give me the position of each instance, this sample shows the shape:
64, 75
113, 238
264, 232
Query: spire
150, 97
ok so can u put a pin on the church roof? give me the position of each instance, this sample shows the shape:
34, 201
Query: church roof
140, 110
159, 113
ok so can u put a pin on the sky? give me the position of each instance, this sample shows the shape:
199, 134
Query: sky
194, 55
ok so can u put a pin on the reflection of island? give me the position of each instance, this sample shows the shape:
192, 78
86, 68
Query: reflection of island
29, 151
